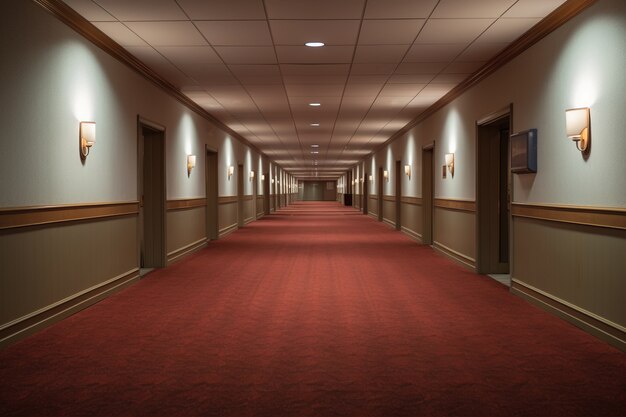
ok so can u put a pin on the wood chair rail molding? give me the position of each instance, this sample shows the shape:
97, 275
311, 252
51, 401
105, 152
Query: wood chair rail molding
609, 217
185, 203
453, 204
16, 217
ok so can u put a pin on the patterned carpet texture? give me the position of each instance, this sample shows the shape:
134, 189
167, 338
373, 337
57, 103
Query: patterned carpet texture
313, 311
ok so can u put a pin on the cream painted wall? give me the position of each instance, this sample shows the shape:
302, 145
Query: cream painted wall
580, 64
566, 69
51, 79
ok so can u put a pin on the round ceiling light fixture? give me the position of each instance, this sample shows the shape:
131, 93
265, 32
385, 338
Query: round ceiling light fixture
314, 44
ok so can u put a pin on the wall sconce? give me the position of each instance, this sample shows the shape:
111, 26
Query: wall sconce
262, 177
191, 163
251, 175
86, 137
231, 171
577, 127
352, 182
371, 178
272, 180
450, 163
362, 179
407, 171
386, 175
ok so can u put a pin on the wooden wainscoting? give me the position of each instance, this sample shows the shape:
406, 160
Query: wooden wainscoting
455, 230
570, 260
57, 260
16, 217
186, 227
227, 214
412, 217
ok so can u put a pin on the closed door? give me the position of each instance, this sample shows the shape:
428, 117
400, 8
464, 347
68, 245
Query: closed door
492, 196
211, 195
427, 196
151, 175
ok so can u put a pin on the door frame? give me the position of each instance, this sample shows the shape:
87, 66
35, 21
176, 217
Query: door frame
365, 193
484, 122
142, 123
398, 186
241, 217
266, 192
381, 190
211, 178
428, 215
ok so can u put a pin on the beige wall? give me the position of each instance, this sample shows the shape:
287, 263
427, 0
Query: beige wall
566, 69
186, 229
47, 270
51, 79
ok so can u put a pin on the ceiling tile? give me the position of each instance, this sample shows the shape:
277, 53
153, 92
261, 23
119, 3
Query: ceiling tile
389, 32
452, 30
223, 9
421, 67
331, 32
235, 33
373, 69
471, 9
260, 80
481, 51
310, 69
449, 78
395, 103
305, 55
410, 78
255, 70
120, 33
368, 54
533, 8
168, 33
161, 66
399, 9
368, 79
362, 90
319, 9
401, 90
436, 90
204, 100
460, 67
308, 90
429, 52
315, 79
143, 10
507, 30
90, 10
190, 59
213, 74
247, 54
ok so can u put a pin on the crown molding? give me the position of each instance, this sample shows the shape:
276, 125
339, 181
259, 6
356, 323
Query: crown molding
83, 27
549, 24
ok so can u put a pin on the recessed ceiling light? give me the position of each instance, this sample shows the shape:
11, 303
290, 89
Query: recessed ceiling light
314, 152
314, 44
315, 124
315, 104
315, 146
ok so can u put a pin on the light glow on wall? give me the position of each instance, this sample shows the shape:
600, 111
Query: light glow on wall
452, 130
82, 102
585, 89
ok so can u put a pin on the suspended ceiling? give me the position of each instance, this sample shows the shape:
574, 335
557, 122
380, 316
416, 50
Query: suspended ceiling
384, 62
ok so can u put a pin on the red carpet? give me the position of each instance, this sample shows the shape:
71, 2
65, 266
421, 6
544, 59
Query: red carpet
304, 314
